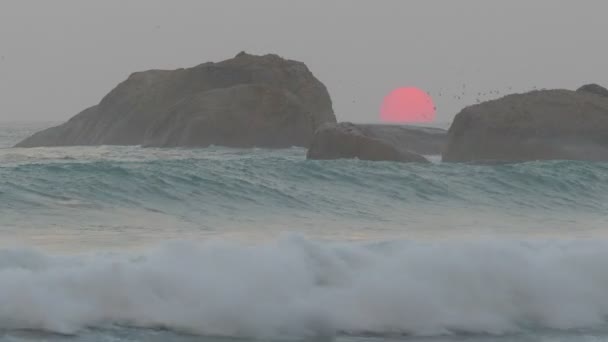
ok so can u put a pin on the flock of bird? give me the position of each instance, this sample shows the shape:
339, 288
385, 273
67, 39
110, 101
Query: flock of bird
462, 94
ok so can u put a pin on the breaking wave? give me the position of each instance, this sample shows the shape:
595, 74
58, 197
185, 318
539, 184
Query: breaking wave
298, 287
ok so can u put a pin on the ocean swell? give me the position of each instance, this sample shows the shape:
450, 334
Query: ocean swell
223, 178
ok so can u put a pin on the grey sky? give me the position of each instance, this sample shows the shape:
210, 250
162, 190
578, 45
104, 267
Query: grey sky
58, 57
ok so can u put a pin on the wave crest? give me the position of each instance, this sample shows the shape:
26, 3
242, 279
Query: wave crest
298, 287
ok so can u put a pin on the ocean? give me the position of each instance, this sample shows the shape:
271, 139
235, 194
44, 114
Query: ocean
142, 244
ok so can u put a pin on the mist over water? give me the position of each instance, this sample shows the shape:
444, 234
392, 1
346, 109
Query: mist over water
279, 247
126, 244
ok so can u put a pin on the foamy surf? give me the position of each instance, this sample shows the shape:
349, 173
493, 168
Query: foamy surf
295, 287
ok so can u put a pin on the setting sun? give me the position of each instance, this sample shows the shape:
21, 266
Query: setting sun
407, 104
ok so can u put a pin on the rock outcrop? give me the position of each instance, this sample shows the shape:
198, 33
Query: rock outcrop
417, 139
594, 89
246, 101
539, 125
371, 142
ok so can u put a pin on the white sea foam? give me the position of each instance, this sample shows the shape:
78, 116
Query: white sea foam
294, 286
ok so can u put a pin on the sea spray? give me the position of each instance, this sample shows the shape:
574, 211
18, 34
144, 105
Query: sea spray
298, 287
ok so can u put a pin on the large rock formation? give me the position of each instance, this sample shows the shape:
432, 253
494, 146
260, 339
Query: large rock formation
375, 142
594, 89
539, 125
246, 101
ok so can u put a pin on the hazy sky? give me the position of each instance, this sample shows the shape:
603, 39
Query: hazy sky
58, 57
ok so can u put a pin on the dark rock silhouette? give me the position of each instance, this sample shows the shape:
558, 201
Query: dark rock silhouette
539, 125
246, 101
376, 142
594, 89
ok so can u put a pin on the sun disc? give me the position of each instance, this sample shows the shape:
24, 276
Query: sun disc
407, 104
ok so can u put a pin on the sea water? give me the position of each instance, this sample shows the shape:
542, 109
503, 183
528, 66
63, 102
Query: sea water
116, 243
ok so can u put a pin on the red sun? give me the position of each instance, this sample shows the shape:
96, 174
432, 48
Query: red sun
407, 104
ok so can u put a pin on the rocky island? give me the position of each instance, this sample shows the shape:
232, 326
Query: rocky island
376, 142
246, 101
538, 125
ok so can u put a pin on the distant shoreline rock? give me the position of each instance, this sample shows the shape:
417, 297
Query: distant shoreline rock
246, 101
539, 125
346, 140
594, 89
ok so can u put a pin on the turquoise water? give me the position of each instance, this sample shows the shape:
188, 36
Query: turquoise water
125, 243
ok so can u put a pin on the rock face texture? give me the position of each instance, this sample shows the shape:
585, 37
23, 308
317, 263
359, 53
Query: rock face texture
370, 142
594, 89
246, 101
539, 125
420, 140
